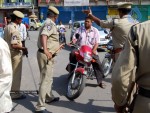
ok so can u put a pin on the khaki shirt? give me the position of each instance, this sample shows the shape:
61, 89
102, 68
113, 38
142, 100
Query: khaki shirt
124, 70
12, 36
50, 30
120, 29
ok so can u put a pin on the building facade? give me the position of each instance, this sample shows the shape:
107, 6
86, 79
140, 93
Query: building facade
104, 9
8, 6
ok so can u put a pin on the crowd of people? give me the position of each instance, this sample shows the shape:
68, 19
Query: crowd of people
131, 47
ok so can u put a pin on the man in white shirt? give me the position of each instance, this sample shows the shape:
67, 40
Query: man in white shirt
5, 77
23, 32
61, 26
61, 29
89, 35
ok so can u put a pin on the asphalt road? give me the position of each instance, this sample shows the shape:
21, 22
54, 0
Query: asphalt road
92, 100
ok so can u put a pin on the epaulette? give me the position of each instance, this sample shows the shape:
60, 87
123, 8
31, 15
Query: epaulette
48, 24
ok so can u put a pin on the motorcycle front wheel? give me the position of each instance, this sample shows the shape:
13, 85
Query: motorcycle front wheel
62, 40
75, 89
106, 65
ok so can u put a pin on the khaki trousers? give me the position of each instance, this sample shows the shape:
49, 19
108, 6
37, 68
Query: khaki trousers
17, 71
46, 74
142, 105
116, 56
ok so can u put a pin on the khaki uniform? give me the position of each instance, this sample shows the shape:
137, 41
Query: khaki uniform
46, 70
124, 70
120, 29
12, 36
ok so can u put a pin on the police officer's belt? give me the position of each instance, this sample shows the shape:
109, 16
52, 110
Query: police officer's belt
144, 92
41, 50
117, 50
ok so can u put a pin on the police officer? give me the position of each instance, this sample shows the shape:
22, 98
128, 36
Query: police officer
119, 27
48, 43
13, 38
136, 60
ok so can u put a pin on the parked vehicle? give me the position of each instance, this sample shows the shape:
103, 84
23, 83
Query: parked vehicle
103, 34
108, 59
103, 40
83, 69
33, 22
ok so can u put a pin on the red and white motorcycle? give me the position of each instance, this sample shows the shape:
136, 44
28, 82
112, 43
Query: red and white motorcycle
83, 69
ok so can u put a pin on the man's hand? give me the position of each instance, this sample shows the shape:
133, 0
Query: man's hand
48, 54
86, 11
25, 51
62, 46
74, 41
94, 52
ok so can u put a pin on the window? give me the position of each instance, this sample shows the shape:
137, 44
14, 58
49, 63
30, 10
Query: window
32, 20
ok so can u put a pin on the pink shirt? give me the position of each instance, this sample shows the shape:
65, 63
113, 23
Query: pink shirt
87, 38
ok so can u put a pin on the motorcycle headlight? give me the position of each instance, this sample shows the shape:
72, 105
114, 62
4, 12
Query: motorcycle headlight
87, 57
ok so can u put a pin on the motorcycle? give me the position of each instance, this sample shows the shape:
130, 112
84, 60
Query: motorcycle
108, 59
83, 69
62, 38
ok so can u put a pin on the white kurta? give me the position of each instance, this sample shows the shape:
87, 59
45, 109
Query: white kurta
5, 77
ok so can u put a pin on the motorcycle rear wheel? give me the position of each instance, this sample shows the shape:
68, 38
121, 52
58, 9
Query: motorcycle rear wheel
106, 65
74, 90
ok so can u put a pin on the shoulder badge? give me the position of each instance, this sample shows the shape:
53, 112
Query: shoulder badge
49, 27
14, 37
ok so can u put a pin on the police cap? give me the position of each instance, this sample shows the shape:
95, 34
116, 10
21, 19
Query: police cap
53, 9
126, 5
18, 14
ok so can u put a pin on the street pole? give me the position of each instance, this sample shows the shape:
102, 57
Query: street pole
33, 8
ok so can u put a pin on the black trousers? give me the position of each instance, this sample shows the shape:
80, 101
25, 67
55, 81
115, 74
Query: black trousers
97, 66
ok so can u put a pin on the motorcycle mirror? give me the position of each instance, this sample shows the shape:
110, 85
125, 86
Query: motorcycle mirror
77, 36
105, 32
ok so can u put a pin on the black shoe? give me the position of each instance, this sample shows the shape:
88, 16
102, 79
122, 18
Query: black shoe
23, 96
54, 100
102, 85
42, 111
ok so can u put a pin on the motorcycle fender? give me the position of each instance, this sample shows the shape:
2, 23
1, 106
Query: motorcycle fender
80, 70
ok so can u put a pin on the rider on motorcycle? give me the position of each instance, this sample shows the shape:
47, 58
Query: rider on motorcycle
88, 35
61, 29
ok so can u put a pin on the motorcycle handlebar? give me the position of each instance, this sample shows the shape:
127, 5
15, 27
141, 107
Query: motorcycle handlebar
75, 45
